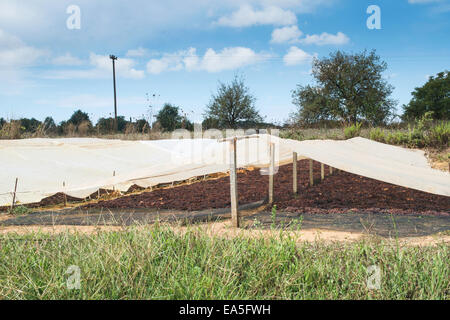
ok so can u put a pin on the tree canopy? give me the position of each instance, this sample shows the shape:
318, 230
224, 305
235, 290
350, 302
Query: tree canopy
170, 119
107, 125
232, 105
349, 88
78, 117
433, 96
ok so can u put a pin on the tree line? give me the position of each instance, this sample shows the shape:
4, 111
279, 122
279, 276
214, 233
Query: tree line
348, 89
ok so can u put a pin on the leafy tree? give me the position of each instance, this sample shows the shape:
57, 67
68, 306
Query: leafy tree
105, 125
142, 125
61, 126
210, 123
169, 117
350, 88
2, 122
49, 125
29, 125
312, 105
433, 96
232, 105
78, 117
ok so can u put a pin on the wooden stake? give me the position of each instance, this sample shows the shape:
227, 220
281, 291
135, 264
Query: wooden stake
311, 175
233, 185
14, 196
322, 171
65, 197
331, 169
271, 171
294, 172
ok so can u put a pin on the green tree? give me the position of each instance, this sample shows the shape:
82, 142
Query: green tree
106, 125
232, 105
29, 125
78, 117
50, 125
433, 96
169, 117
349, 88
142, 125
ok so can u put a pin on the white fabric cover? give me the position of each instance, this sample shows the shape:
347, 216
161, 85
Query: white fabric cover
86, 164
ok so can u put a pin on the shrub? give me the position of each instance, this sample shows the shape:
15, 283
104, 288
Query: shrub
11, 130
398, 137
84, 128
416, 137
20, 210
377, 134
352, 131
438, 135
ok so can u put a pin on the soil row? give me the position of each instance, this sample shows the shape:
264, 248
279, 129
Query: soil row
339, 193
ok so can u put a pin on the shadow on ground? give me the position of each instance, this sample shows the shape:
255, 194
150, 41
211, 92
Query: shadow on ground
254, 217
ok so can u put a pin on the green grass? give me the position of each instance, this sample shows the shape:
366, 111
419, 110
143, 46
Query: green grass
415, 136
20, 210
156, 263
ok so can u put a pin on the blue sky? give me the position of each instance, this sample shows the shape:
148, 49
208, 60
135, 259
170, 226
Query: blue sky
179, 50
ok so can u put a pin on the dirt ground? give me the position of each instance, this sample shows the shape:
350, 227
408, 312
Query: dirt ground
343, 207
338, 193
254, 217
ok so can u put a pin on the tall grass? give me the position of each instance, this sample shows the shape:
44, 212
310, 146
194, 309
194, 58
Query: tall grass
156, 263
435, 135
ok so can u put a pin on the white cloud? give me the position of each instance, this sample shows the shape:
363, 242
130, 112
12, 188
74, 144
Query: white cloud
212, 61
297, 56
326, 39
286, 34
101, 67
230, 58
14, 53
67, 60
246, 16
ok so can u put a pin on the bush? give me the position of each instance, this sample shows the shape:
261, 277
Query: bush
20, 210
84, 128
11, 130
438, 135
416, 137
398, 137
352, 131
377, 134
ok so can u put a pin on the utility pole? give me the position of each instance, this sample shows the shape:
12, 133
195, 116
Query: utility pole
114, 58
150, 108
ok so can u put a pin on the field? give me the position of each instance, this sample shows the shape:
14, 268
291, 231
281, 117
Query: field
176, 242
159, 262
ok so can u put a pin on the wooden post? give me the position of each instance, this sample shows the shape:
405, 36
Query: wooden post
322, 171
331, 169
271, 171
65, 196
14, 196
294, 173
311, 175
114, 174
233, 185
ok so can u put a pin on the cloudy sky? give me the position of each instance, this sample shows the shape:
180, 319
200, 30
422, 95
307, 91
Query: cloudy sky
180, 50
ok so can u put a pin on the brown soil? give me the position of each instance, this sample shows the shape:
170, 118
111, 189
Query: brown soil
339, 193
